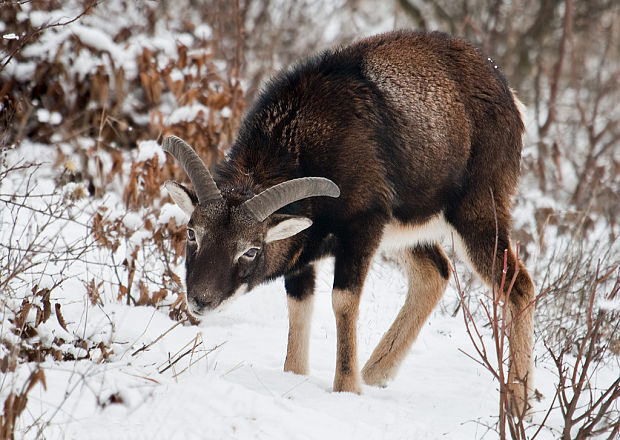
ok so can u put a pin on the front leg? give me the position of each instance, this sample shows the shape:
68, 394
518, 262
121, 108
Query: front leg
352, 263
346, 307
300, 296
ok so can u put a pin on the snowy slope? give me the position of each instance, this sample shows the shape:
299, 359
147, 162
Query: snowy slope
239, 390
224, 379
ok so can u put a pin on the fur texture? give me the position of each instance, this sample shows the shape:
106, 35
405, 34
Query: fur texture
423, 137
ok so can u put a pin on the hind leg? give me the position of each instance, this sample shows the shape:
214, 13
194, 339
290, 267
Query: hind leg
428, 272
520, 321
477, 229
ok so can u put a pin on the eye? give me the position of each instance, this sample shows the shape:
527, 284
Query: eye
191, 236
250, 254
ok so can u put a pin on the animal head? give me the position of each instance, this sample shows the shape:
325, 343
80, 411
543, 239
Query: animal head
231, 247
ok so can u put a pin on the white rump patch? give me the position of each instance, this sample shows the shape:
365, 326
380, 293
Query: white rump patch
522, 108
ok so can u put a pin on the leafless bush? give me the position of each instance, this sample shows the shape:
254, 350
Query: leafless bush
511, 411
36, 255
31, 245
54, 92
16, 402
35, 260
44, 237
94, 115
568, 281
156, 244
587, 408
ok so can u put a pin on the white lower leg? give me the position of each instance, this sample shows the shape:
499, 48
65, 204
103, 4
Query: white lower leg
520, 337
346, 307
297, 350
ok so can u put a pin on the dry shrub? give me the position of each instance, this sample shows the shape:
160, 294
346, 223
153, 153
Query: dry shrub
105, 103
586, 409
93, 120
93, 116
27, 347
214, 102
16, 402
569, 279
190, 75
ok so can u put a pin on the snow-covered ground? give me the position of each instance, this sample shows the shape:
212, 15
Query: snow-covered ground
239, 390
224, 379
231, 385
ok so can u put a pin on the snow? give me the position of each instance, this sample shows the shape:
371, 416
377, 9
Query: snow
45, 282
176, 75
188, 113
232, 384
203, 31
227, 380
239, 391
45, 116
99, 40
133, 221
148, 150
226, 112
39, 18
72, 187
20, 70
610, 304
172, 211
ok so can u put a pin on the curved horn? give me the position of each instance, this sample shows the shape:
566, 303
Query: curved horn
269, 201
204, 185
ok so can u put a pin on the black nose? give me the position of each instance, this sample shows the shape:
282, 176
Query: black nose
201, 303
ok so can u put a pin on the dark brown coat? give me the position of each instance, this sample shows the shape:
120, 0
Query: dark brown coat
421, 133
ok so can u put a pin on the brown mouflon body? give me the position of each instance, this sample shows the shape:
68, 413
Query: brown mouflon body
391, 143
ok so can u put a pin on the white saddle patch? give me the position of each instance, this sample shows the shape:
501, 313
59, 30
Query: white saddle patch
397, 236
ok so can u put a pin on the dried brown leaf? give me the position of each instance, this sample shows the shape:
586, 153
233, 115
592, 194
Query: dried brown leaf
60, 318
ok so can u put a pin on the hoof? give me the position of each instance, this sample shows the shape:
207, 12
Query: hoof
374, 376
347, 384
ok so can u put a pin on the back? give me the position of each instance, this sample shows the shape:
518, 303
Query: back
448, 102
393, 119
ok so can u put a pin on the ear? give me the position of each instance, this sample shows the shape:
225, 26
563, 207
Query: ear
183, 197
287, 227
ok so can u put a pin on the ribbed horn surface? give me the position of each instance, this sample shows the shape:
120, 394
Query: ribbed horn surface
269, 201
204, 185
